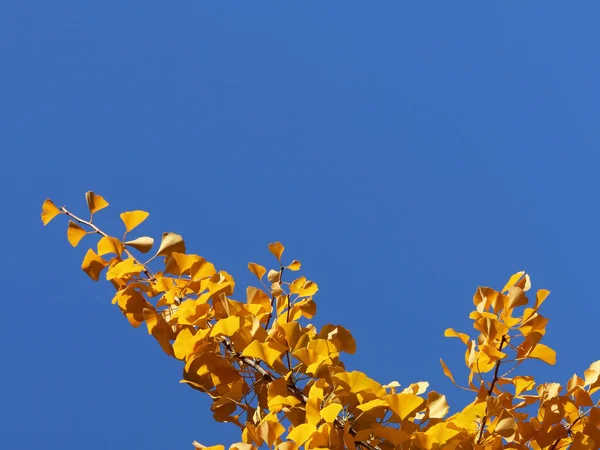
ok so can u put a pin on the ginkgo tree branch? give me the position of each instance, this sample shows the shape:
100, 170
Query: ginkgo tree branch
234, 352
491, 389
103, 234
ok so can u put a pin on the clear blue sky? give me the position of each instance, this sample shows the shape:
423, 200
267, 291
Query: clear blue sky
405, 152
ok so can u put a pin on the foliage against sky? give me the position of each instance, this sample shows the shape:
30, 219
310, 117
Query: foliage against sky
280, 379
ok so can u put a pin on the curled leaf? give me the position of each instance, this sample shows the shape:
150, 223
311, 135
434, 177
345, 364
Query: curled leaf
142, 244
132, 219
49, 211
294, 265
93, 264
447, 370
171, 242
75, 233
95, 202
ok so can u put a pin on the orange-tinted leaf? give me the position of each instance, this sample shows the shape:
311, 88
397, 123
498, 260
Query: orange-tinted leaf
95, 202
447, 371
277, 249
294, 265
142, 244
257, 270
109, 244
171, 242
93, 264
132, 219
49, 211
75, 233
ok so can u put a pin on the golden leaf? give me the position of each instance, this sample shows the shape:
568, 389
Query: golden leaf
330, 412
132, 219
437, 405
75, 233
302, 433
404, 404
544, 353
294, 265
512, 280
257, 270
199, 446
171, 242
95, 202
277, 249
93, 264
49, 211
447, 371
303, 287
123, 269
373, 405
109, 244
268, 352
462, 336
226, 327
142, 244
273, 275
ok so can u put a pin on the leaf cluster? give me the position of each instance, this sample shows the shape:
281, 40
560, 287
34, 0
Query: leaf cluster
281, 380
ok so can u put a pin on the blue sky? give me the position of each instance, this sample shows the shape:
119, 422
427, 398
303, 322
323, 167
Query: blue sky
405, 152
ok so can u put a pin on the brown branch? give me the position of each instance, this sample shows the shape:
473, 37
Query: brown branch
292, 388
102, 233
491, 389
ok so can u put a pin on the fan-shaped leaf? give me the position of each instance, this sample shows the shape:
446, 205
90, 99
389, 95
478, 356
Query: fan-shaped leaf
95, 202
49, 211
132, 219
75, 233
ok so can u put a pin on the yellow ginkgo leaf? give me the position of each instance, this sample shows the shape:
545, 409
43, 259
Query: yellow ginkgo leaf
268, 352
95, 202
512, 280
437, 405
257, 270
330, 412
447, 371
109, 244
93, 264
277, 249
142, 244
462, 336
303, 287
75, 233
132, 219
49, 211
302, 433
171, 242
294, 265
199, 446
544, 353
404, 404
